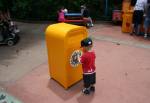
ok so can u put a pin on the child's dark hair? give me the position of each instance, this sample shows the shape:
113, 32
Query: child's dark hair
86, 42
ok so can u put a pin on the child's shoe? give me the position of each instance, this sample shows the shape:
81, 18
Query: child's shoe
92, 88
86, 91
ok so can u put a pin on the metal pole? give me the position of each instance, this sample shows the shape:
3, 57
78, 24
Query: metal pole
106, 7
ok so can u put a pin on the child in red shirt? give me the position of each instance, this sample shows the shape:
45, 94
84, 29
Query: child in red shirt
88, 64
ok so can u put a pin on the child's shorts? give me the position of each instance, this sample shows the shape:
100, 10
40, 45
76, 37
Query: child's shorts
89, 79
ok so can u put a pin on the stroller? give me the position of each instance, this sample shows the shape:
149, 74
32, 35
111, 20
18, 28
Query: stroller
9, 33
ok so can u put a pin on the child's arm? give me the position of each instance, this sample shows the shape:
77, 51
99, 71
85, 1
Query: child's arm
80, 56
79, 59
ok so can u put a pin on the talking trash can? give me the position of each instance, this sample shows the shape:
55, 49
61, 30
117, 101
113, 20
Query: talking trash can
126, 5
63, 43
127, 21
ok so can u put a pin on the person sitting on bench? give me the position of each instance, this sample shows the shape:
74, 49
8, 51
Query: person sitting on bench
61, 16
85, 14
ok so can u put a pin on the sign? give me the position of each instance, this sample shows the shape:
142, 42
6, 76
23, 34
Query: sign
74, 62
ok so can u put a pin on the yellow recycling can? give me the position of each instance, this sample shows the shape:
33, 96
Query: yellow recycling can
63, 45
126, 5
127, 22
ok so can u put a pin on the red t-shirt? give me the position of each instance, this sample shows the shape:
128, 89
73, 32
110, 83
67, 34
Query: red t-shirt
88, 62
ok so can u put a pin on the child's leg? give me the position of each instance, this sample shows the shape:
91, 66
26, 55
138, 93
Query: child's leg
92, 88
93, 81
86, 89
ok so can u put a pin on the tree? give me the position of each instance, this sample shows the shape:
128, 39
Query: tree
47, 9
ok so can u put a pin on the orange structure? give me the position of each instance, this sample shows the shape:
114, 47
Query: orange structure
127, 21
125, 5
127, 15
63, 45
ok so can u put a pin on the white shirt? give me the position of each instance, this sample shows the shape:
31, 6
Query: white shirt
140, 5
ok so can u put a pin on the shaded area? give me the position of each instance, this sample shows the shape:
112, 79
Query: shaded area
30, 34
55, 87
24, 56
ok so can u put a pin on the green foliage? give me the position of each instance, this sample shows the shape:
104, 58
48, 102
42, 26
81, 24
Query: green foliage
5, 4
47, 9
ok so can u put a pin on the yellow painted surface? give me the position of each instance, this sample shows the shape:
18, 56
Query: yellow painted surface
127, 22
62, 39
125, 6
127, 15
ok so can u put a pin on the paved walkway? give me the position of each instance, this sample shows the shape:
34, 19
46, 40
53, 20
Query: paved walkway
123, 68
119, 41
19, 60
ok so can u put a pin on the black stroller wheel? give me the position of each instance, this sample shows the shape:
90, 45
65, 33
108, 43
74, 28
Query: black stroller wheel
10, 43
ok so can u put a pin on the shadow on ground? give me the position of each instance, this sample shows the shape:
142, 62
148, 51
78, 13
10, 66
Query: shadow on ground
30, 35
56, 88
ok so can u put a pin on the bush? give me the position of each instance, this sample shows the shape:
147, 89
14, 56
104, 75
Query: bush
47, 9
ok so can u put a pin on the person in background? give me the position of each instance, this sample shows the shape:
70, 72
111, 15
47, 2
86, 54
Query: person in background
61, 15
85, 14
138, 16
82, 9
65, 10
147, 18
5, 23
